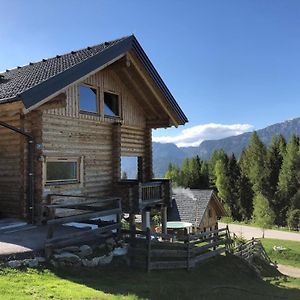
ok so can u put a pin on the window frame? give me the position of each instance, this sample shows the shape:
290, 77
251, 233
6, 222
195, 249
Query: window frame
82, 111
119, 104
79, 171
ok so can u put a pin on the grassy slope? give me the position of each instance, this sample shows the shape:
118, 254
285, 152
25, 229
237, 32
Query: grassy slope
220, 278
289, 257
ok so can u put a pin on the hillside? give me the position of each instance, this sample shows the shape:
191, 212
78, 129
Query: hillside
163, 154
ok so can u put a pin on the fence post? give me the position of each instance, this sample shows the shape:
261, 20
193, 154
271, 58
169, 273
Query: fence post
148, 250
188, 252
228, 239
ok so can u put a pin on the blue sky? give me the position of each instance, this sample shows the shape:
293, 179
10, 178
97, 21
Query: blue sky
226, 62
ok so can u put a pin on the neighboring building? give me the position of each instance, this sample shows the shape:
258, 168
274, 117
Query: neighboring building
80, 113
202, 208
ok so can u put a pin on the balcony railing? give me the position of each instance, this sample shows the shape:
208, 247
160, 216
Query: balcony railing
139, 195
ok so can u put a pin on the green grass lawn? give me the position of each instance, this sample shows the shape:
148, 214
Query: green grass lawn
220, 278
289, 257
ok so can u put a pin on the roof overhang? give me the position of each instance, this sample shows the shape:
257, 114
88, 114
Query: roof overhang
48, 89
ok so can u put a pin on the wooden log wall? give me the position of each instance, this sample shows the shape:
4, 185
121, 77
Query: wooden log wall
209, 221
99, 140
11, 167
67, 132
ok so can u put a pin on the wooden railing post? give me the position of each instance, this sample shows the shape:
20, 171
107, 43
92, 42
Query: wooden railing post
140, 193
148, 238
188, 252
164, 220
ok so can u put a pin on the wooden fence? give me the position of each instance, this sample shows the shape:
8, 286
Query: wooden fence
73, 209
165, 251
250, 249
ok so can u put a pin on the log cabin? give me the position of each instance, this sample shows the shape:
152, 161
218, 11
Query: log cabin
66, 121
201, 208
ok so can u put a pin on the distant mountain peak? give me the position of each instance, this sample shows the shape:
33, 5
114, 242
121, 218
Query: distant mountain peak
163, 154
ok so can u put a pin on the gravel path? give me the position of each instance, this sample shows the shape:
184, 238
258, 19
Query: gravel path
289, 271
248, 232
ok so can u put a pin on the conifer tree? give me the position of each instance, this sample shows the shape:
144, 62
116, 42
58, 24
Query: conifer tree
215, 157
275, 154
263, 215
245, 197
289, 176
234, 175
253, 162
204, 175
222, 183
173, 173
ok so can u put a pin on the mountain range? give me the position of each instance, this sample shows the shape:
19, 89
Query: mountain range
163, 154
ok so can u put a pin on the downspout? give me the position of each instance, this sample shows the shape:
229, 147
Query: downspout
30, 185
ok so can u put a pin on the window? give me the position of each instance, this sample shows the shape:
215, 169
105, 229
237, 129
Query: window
129, 167
60, 170
88, 99
111, 105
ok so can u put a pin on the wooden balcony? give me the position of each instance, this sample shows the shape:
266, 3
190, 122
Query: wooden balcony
137, 196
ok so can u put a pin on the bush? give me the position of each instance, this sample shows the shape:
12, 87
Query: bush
293, 219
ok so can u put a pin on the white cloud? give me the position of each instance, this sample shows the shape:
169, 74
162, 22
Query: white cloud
194, 136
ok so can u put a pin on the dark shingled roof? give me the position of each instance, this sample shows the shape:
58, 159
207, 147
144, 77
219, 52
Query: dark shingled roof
39, 80
189, 205
15, 81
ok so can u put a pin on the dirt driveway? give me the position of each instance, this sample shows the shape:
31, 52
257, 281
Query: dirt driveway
248, 232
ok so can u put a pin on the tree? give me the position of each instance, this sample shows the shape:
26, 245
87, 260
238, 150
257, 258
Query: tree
245, 197
263, 215
215, 157
204, 175
293, 219
253, 162
222, 183
173, 173
195, 173
234, 174
289, 176
275, 153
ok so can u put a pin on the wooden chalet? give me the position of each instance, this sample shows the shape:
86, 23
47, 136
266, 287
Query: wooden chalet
201, 208
65, 123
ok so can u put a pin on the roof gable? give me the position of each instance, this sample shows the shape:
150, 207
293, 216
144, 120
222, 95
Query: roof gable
190, 205
37, 81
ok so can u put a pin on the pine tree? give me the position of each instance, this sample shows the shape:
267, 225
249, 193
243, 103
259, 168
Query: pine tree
234, 175
275, 154
288, 183
245, 197
215, 157
185, 173
253, 162
204, 175
263, 215
223, 184
173, 173
195, 173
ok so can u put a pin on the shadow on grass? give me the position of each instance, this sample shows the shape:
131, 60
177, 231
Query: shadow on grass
220, 278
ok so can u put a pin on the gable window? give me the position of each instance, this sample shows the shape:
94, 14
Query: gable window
62, 170
88, 99
111, 105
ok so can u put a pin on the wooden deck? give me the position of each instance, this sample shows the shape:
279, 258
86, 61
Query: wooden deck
137, 196
81, 210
